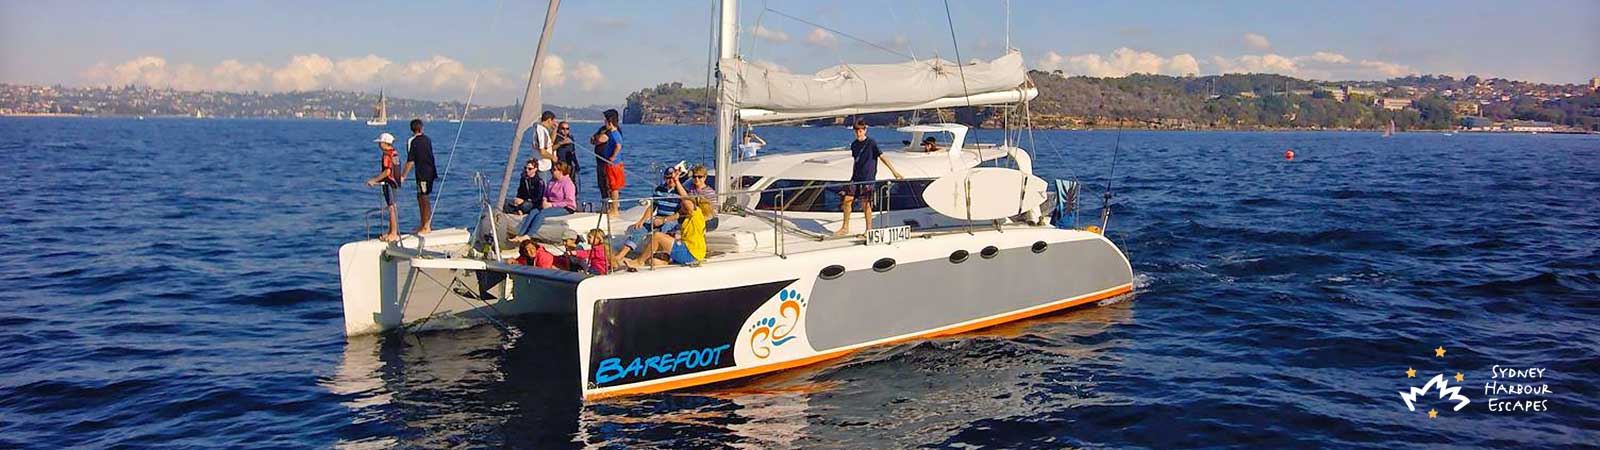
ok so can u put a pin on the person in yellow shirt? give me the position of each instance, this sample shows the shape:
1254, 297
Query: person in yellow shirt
689, 249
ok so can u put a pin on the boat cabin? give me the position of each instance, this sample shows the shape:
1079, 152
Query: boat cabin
804, 185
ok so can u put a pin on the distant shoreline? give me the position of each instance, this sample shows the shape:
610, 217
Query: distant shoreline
1202, 130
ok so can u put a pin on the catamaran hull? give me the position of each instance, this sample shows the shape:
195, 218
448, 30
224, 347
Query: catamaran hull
391, 286
676, 327
681, 327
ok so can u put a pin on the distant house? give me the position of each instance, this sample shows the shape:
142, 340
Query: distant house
1467, 108
1530, 126
1395, 104
1477, 123
1347, 91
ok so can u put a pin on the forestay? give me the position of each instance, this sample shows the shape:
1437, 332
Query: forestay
764, 93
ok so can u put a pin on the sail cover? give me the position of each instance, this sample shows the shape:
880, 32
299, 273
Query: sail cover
765, 93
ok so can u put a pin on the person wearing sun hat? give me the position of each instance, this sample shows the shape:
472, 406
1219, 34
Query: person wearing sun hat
389, 178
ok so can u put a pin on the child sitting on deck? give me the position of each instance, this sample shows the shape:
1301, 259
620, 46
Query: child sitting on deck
591, 255
531, 254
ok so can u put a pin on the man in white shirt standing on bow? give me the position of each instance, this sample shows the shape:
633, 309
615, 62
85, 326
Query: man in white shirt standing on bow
544, 135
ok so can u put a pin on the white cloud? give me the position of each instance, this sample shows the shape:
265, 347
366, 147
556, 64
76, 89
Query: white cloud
555, 71
433, 76
303, 73
1319, 65
1268, 63
1256, 41
1120, 62
821, 38
769, 34
1329, 58
587, 75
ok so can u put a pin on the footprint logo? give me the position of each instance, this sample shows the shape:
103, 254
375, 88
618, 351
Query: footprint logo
775, 331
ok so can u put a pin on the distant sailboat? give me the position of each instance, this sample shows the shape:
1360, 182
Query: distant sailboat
1388, 132
380, 113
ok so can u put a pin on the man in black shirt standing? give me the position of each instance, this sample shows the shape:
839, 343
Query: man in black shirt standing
419, 154
863, 174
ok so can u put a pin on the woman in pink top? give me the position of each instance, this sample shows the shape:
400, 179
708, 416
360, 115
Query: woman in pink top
559, 200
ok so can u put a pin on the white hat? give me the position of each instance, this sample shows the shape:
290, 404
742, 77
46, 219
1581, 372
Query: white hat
385, 138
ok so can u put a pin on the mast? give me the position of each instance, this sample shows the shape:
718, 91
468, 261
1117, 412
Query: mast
727, 36
530, 100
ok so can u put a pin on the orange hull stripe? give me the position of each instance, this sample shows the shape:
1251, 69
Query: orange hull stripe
757, 370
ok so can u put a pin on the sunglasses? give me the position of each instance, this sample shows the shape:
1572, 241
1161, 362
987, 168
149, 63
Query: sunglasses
530, 168
699, 176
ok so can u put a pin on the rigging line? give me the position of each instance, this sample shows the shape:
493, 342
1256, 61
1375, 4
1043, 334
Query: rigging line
900, 26
465, 109
841, 33
1105, 209
961, 69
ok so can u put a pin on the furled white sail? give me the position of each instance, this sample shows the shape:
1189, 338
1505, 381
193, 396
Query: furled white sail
766, 94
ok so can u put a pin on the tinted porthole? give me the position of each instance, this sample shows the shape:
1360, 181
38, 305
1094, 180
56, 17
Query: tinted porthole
959, 256
831, 272
989, 252
883, 265
1039, 247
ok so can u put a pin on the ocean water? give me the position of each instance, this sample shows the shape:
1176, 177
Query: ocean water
173, 282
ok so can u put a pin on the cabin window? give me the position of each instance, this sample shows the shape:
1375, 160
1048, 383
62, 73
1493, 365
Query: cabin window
989, 252
800, 196
959, 256
824, 196
883, 265
906, 194
831, 272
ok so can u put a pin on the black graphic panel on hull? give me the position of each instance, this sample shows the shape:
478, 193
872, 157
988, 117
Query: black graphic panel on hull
646, 338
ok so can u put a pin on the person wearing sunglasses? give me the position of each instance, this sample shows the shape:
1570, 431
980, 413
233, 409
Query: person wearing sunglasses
567, 151
558, 201
530, 191
704, 195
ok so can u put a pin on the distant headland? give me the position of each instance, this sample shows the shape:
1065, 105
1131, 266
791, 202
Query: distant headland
1234, 102
1214, 102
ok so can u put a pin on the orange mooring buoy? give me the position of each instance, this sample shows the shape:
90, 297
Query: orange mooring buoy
1289, 154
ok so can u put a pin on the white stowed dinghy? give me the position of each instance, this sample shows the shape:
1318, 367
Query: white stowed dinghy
960, 243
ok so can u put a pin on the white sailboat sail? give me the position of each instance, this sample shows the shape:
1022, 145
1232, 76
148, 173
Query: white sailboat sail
380, 112
765, 94
530, 100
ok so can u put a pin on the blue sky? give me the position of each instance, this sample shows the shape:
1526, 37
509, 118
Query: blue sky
609, 48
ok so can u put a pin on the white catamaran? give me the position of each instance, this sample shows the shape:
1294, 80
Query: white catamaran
963, 242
